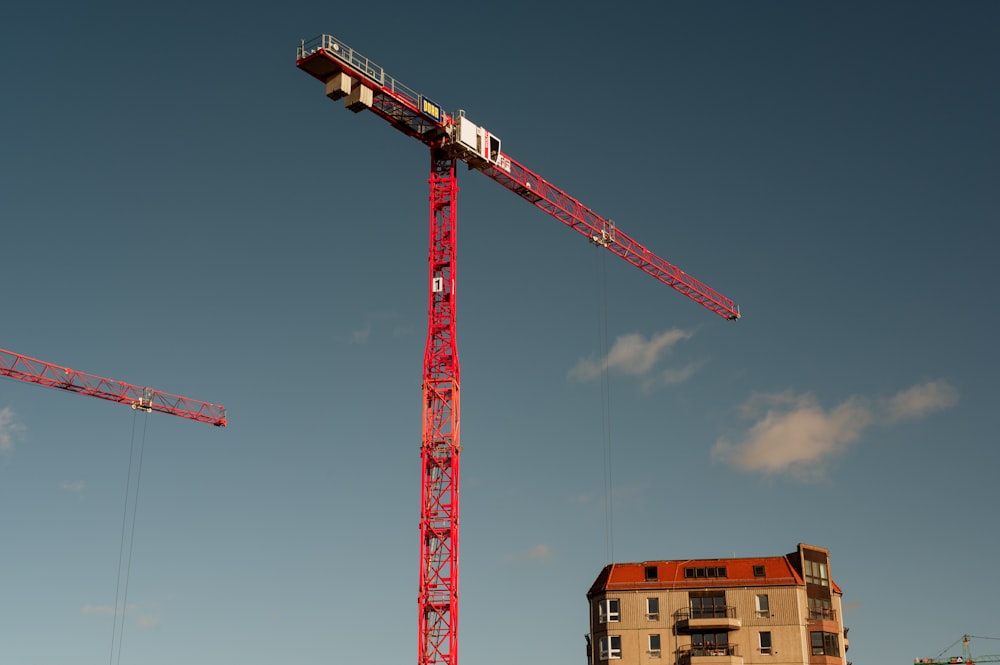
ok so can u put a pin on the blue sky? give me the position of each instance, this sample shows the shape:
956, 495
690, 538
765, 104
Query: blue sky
184, 209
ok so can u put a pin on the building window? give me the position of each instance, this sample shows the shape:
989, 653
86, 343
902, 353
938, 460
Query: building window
611, 647
824, 644
816, 573
654, 646
820, 608
709, 644
708, 605
763, 606
765, 642
651, 573
653, 609
705, 571
608, 610
758, 571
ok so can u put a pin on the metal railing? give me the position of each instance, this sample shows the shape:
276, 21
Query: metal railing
822, 614
685, 653
719, 612
338, 49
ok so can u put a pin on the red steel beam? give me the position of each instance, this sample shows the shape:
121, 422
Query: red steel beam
23, 368
440, 449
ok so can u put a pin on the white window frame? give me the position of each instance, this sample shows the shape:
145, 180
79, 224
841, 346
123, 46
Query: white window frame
765, 650
651, 614
608, 649
609, 610
763, 608
654, 652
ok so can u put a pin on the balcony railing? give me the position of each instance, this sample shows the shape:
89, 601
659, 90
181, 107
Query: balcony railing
717, 612
689, 655
694, 619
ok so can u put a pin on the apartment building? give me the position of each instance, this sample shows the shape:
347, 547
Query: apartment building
778, 610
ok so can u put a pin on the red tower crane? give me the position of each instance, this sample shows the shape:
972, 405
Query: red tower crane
452, 138
22, 367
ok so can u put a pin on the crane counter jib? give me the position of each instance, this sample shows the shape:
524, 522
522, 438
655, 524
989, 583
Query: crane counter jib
411, 112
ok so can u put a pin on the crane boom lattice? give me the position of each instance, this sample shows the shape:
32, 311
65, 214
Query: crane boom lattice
32, 370
364, 84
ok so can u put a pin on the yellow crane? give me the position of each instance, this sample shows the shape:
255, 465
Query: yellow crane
966, 658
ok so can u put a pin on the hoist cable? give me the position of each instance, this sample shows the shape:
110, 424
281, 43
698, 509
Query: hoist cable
121, 546
606, 429
123, 593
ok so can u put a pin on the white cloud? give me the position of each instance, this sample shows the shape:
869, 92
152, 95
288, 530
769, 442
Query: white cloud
98, 610
10, 430
361, 335
676, 375
75, 486
794, 435
921, 400
635, 355
142, 621
541, 553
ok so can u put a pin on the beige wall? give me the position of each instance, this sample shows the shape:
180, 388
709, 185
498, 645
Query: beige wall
787, 623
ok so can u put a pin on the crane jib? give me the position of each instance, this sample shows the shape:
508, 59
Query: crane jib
363, 84
32, 370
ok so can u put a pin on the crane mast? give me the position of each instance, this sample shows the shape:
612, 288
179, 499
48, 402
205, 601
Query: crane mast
440, 449
32, 370
362, 84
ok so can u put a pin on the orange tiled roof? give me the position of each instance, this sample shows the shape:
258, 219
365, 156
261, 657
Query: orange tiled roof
778, 571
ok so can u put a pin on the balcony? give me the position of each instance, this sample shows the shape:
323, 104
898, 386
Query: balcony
822, 614
707, 654
823, 619
694, 619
